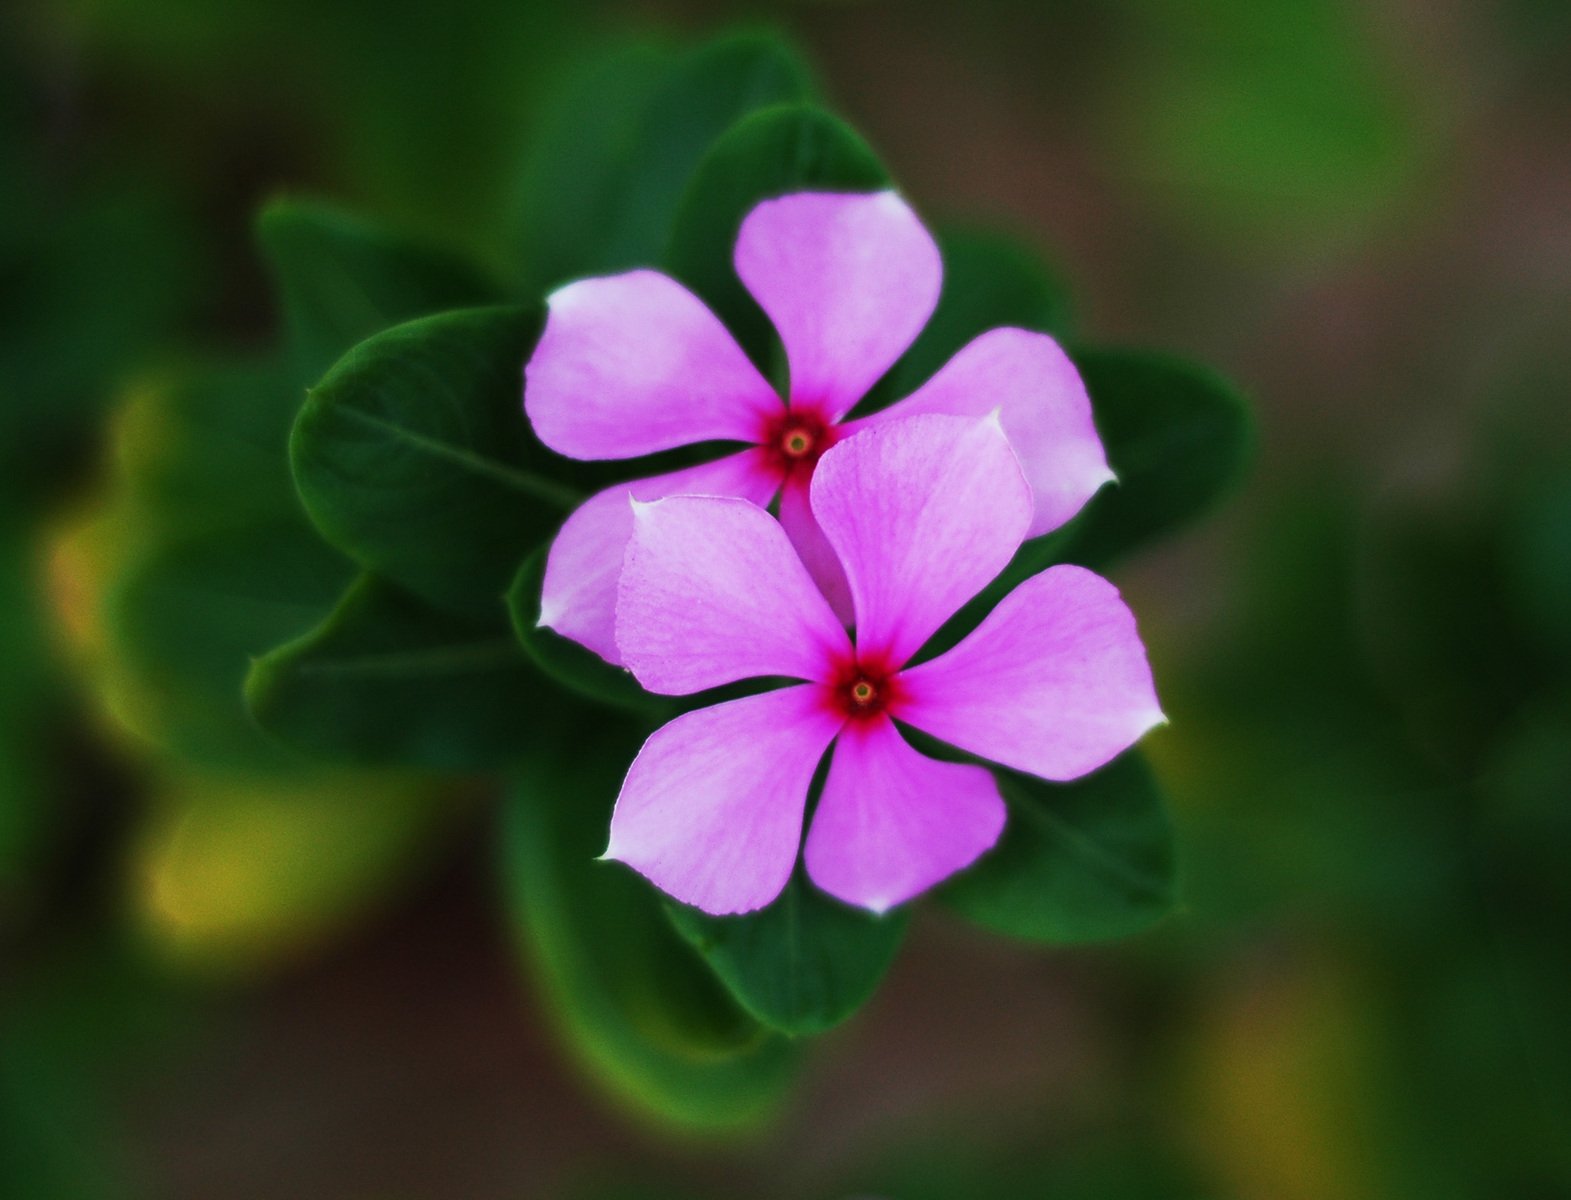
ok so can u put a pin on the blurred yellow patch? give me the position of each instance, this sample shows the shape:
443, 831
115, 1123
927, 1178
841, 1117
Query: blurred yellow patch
234, 875
1281, 1087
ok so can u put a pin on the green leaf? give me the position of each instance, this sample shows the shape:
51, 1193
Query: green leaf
610, 167
1177, 435
770, 153
989, 280
206, 445
563, 659
341, 279
576, 176
387, 679
1178, 438
187, 615
801, 965
646, 1017
414, 458
1077, 862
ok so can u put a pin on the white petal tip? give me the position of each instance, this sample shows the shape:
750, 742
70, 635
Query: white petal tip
1155, 719
640, 507
565, 296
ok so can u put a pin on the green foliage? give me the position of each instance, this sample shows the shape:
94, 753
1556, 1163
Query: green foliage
198, 561
341, 279
635, 1002
26, 690
1078, 862
1178, 437
1271, 120
803, 964
190, 614
387, 679
413, 457
774, 151
618, 146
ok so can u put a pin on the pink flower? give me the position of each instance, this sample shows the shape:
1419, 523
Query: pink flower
633, 364
921, 514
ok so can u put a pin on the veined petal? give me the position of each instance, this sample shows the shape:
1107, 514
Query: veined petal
892, 822
578, 598
711, 593
634, 363
813, 548
923, 513
711, 810
1042, 405
848, 280
1054, 681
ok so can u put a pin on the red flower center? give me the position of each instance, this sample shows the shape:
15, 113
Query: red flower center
862, 690
796, 438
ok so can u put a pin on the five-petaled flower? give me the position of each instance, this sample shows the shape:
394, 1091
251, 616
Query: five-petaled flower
631, 364
921, 514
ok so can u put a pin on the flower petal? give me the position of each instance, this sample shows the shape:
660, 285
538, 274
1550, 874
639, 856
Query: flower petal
578, 598
1042, 405
848, 280
813, 548
923, 513
712, 592
1054, 681
631, 364
711, 810
892, 822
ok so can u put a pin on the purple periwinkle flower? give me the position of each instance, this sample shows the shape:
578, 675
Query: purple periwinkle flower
920, 515
632, 364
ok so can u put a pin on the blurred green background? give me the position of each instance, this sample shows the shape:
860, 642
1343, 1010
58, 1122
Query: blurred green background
215, 983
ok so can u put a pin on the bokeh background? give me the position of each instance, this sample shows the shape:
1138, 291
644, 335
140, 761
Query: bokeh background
1360, 213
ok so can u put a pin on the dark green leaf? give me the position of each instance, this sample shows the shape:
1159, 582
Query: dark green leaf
770, 153
802, 965
989, 280
387, 679
341, 279
577, 176
1177, 435
563, 659
207, 446
646, 1016
1178, 438
414, 458
608, 172
188, 615
1078, 862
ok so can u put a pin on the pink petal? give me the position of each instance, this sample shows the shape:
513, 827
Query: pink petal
892, 822
1042, 405
796, 518
711, 810
848, 280
631, 364
578, 598
712, 592
923, 513
1054, 681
